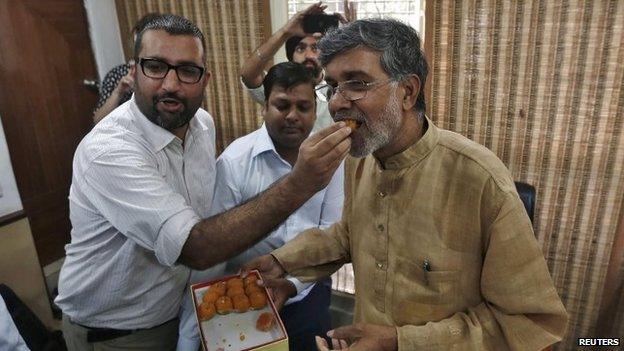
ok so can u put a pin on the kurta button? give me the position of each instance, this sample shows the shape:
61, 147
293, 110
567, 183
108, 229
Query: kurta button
379, 265
380, 227
381, 194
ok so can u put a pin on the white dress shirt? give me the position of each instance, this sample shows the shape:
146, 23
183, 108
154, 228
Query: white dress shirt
10, 338
323, 118
245, 169
136, 193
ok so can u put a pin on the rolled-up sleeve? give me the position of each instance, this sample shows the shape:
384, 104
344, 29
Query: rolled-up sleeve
131, 194
257, 94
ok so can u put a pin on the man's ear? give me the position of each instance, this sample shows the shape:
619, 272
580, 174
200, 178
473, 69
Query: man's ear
411, 86
206, 78
132, 71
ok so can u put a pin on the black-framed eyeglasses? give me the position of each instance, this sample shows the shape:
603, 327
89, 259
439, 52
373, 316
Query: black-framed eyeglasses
158, 69
351, 90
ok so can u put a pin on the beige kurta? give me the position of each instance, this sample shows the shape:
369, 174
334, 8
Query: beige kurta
441, 247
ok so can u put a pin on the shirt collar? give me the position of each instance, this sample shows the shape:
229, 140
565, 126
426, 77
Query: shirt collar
157, 136
416, 152
263, 143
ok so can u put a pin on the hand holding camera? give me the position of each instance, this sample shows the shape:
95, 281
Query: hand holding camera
294, 26
314, 20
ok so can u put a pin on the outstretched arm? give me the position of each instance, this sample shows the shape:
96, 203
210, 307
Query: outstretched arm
210, 240
252, 71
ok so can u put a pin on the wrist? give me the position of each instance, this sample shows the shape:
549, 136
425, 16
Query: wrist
260, 55
284, 33
296, 187
279, 264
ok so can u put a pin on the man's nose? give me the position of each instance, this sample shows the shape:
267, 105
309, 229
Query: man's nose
292, 114
338, 102
310, 54
171, 81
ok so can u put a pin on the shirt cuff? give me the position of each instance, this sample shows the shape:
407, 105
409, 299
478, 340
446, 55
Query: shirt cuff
410, 338
173, 235
257, 93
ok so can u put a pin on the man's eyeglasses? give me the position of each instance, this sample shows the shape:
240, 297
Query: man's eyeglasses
158, 69
351, 90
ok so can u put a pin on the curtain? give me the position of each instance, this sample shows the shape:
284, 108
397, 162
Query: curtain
541, 83
233, 29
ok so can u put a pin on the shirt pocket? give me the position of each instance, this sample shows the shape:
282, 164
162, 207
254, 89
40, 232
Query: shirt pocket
420, 296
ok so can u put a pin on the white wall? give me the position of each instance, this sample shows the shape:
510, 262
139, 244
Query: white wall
279, 17
104, 33
9, 196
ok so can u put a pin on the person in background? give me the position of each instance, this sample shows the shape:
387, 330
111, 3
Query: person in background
443, 250
248, 167
117, 86
140, 197
300, 48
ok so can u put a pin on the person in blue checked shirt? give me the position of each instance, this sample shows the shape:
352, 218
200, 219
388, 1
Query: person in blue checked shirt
249, 166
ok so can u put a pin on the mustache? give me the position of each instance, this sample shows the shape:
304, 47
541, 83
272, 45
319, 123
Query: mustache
310, 61
288, 124
168, 95
342, 115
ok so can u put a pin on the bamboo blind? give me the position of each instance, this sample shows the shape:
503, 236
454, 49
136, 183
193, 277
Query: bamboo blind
233, 29
541, 83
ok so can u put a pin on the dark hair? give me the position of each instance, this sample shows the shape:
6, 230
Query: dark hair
291, 46
173, 25
140, 24
286, 75
398, 44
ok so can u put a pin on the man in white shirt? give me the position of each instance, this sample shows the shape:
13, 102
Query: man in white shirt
300, 48
140, 197
249, 166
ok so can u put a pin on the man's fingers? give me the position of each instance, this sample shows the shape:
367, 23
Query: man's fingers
337, 154
341, 18
323, 133
330, 142
314, 8
346, 332
339, 344
282, 286
256, 263
267, 265
271, 283
321, 344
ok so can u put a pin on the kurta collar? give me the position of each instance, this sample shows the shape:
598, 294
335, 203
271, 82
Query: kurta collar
416, 152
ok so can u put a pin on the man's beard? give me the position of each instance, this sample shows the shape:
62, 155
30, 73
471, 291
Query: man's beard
315, 70
166, 120
377, 132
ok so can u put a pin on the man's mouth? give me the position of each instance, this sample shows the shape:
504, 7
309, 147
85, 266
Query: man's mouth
351, 123
171, 105
310, 63
291, 130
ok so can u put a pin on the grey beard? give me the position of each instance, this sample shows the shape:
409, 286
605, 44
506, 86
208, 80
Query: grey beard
382, 131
